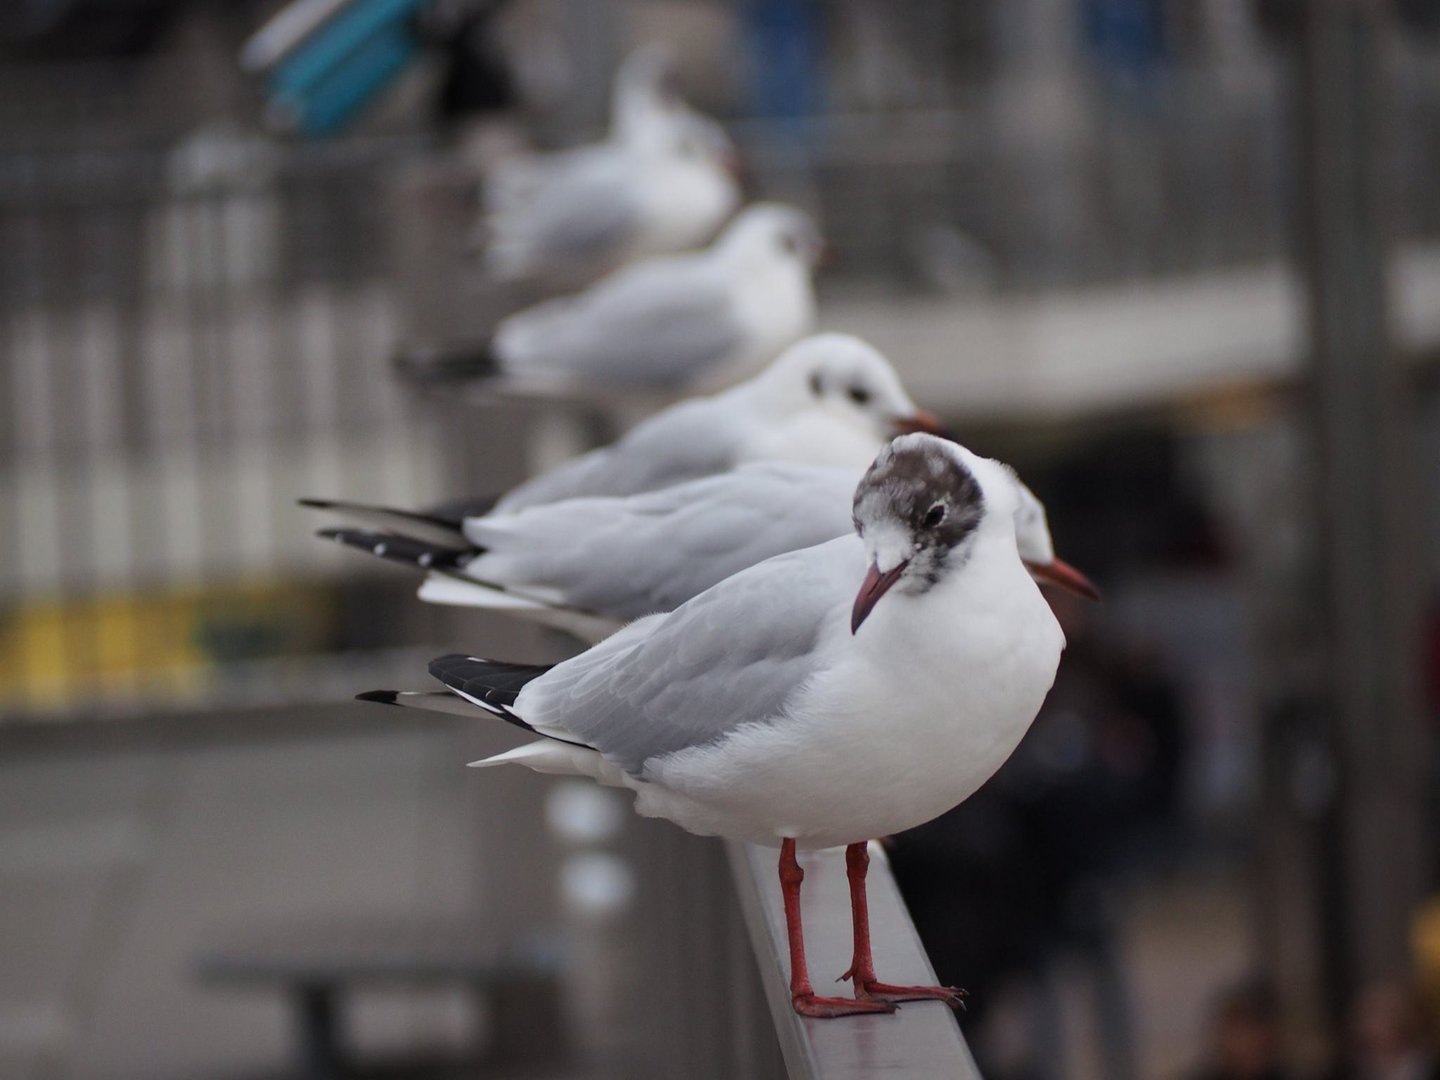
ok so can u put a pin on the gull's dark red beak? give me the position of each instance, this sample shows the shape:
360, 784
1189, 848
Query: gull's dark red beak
872, 589
733, 162
920, 420
1061, 573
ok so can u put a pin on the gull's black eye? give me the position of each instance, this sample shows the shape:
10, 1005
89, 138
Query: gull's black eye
816, 386
789, 244
934, 516
860, 395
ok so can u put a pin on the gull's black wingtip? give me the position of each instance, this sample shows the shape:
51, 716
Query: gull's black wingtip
316, 504
491, 684
380, 697
443, 665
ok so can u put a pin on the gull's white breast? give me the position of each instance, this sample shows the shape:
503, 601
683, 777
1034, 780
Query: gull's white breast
908, 719
684, 203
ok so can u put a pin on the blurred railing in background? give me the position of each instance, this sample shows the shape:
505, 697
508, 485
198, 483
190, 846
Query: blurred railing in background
194, 336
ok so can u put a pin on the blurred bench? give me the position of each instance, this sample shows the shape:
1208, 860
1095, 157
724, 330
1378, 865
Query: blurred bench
317, 963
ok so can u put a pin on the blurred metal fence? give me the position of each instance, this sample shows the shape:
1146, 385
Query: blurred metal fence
193, 336
1011, 190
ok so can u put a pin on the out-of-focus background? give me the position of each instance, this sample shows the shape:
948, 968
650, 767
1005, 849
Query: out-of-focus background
1179, 262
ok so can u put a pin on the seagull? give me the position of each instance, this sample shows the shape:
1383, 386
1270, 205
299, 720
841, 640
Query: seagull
589, 565
820, 698
831, 399
662, 181
666, 321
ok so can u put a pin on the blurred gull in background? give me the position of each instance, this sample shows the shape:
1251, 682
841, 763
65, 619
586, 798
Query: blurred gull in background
828, 400
662, 182
590, 565
676, 320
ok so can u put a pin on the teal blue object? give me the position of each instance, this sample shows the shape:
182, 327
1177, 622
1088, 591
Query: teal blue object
330, 103
334, 41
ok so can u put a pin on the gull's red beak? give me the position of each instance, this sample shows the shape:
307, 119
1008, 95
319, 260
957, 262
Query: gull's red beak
734, 163
920, 420
872, 589
1061, 573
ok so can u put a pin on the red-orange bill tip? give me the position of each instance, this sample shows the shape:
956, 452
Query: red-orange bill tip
872, 589
1060, 573
920, 420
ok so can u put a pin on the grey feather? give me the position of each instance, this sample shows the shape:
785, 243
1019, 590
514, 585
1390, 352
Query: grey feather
695, 438
652, 552
657, 323
677, 681
585, 217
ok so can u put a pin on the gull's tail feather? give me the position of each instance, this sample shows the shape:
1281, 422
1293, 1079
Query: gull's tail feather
456, 589
397, 547
451, 704
493, 685
453, 363
459, 591
447, 581
561, 758
435, 701
439, 525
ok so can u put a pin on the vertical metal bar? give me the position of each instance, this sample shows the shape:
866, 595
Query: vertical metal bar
72, 402
125, 270
318, 1030
1366, 506
12, 584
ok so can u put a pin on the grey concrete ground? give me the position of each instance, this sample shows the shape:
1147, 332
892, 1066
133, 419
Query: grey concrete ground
120, 858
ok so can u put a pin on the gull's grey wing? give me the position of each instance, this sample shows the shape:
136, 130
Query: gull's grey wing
630, 557
733, 655
658, 323
582, 212
584, 225
693, 438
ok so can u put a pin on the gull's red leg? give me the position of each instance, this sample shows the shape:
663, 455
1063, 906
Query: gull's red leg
802, 994
862, 965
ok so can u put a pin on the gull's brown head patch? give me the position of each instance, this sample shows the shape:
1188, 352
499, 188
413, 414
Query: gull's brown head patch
919, 494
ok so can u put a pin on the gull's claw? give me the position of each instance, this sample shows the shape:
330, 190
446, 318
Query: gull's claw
886, 992
826, 1008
